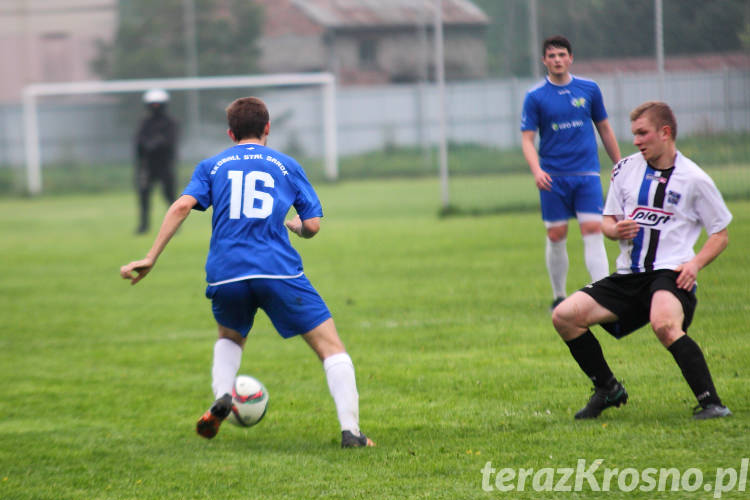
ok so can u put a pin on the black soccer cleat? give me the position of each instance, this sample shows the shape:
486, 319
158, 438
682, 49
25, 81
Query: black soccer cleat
603, 399
349, 440
208, 424
711, 411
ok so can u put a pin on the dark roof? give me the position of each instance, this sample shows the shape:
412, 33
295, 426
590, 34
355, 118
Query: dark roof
361, 13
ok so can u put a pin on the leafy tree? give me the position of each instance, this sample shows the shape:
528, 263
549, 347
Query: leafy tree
150, 40
613, 28
150, 43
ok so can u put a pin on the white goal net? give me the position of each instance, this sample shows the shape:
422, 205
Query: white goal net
88, 127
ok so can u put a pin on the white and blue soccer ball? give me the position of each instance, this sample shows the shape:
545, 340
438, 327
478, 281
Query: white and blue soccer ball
249, 401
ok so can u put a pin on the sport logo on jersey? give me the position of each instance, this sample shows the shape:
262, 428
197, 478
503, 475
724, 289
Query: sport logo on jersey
651, 217
578, 102
673, 197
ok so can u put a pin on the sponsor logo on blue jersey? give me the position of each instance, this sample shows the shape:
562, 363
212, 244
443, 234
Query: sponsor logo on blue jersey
566, 125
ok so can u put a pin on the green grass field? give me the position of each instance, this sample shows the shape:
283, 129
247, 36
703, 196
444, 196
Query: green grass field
446, 319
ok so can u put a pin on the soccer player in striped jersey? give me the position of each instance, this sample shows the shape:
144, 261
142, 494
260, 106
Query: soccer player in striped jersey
251, 263
657, 205
566, 167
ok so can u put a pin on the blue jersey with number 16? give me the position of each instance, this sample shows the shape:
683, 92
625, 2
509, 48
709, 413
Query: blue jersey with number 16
251, 189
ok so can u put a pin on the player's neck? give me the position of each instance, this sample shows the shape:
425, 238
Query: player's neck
259, 142
666, 160
562, 79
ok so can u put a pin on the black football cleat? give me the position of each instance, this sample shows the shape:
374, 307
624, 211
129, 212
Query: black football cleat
603, 399
349, 440
208, 424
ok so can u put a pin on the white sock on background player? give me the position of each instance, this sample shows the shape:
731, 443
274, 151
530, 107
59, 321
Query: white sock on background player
227, 359
595, 256
343, 386
557, 265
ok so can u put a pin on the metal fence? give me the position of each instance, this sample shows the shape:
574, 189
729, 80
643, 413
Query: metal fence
376, 118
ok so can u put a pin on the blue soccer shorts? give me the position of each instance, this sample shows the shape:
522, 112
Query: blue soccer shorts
293, 305
578, 196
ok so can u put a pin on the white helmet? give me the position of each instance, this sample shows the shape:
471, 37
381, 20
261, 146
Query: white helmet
156, 96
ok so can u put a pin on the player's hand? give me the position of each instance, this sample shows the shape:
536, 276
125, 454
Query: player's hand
295, 225
627, 229
543, 180
688, 274
136, 270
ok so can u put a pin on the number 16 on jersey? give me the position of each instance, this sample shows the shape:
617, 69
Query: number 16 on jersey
242, 200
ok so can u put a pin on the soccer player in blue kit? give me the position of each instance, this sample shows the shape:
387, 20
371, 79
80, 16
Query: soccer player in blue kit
251, 263
566, 167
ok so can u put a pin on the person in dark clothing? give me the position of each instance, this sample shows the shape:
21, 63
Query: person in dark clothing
155, 152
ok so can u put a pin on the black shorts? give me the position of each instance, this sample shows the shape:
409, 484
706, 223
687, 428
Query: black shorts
629, 297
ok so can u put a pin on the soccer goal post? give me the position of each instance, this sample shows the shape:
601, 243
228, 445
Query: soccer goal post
31, 94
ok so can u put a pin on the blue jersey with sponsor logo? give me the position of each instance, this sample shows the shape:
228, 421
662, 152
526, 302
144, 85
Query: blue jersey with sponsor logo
251, 189
670, 206
563, 115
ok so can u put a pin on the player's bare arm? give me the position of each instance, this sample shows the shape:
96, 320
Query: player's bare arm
137, 270
541, 178
304, 228
614, 229
609, 141
714, 245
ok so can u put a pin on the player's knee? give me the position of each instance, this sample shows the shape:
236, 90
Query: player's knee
667, 330
563, 318
557, 233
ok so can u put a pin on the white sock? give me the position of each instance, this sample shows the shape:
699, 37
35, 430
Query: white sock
343, 386
595, 256
557, 265
227, 359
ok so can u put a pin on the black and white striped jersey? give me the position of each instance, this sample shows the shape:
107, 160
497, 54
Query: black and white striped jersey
671, 206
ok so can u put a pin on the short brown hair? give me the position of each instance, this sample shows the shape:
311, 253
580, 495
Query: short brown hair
247, 118
659, 113
557, 41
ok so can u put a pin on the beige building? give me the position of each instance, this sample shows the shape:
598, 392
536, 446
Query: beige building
361, 41
372, 41
51, 41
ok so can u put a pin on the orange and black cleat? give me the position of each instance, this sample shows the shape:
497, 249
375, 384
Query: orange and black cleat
208, 424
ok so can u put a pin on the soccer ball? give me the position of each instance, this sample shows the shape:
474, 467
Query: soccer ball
249, 401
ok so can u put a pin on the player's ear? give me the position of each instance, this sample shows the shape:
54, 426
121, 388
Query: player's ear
267, 128
231, 135
665, 132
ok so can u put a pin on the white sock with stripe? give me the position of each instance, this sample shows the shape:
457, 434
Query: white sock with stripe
595, 256
556, 255
343, 386
227, 359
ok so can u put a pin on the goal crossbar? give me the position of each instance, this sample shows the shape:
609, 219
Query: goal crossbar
31, 93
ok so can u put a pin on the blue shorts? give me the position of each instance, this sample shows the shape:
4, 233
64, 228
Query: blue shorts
571, 195
293, 305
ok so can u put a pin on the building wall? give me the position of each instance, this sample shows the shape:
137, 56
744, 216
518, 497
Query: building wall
50, 41
397, 55
292, 53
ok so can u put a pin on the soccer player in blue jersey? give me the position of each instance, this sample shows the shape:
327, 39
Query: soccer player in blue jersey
657, 205
566, 166
251, 263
